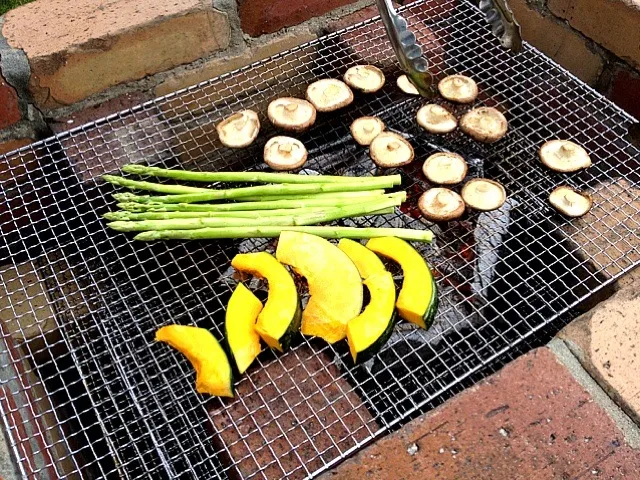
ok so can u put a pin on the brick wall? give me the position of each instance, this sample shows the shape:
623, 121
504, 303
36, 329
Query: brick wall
62, 64
597, 40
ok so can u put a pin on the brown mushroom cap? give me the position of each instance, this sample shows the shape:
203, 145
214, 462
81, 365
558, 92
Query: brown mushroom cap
329, 94
239, 130
458, 88
485, 124
366, 78
483, 194
564, 156
570, 202
406, 86
441, 205
436, 119
294, 114
445, 168
389, 149
365, 129
284, 153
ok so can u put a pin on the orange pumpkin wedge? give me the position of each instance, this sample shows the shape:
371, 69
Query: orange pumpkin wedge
206, 355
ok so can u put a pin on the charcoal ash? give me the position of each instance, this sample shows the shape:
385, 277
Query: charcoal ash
491, 229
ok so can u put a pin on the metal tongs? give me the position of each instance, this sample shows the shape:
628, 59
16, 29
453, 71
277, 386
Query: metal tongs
409, 53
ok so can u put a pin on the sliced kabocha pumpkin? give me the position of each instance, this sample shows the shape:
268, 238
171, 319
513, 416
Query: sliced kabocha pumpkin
334, 283
240, 327
418, 298
206, 355
279, 320
364, 259
370, 330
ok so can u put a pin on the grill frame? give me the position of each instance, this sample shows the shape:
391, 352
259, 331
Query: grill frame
68, 180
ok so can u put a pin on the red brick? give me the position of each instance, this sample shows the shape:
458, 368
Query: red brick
77, 52
563, 44
380, 53
98, 111
9, 107
530, 421
429, 11
14, 144
109, 146
625, 91
355, 17
14, 168
301, 393
258, 17
216, 66
24, 202
614, 24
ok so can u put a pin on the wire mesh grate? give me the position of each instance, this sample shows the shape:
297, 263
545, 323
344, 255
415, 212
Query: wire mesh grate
85, 391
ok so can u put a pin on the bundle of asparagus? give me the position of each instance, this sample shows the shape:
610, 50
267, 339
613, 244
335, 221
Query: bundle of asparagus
286, 202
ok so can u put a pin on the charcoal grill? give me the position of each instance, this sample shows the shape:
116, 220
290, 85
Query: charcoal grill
85, 392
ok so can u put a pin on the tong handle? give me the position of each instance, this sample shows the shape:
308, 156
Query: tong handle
408, 52
503, 23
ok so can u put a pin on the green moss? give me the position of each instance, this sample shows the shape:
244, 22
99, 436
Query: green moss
6, 5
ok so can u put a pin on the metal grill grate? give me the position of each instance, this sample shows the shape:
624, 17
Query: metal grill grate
85, 391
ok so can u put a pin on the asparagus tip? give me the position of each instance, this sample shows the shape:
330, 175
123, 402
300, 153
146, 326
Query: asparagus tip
111, 178
120, 226
112, 216
124, 197
131, 207
146, 236
133, 168
132, 197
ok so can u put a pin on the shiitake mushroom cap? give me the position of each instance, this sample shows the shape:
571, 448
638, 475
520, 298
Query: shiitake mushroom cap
441, 205
329, 94
239, 129
483, 194
284, 153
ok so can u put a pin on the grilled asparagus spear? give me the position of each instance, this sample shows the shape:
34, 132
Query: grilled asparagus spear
257, 177
291, 219
266, 205
238, 193
274, 231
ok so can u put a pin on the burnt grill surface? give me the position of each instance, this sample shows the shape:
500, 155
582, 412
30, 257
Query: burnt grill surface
87, 366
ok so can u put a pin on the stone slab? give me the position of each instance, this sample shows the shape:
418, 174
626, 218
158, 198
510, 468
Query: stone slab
531, 420
606, 340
